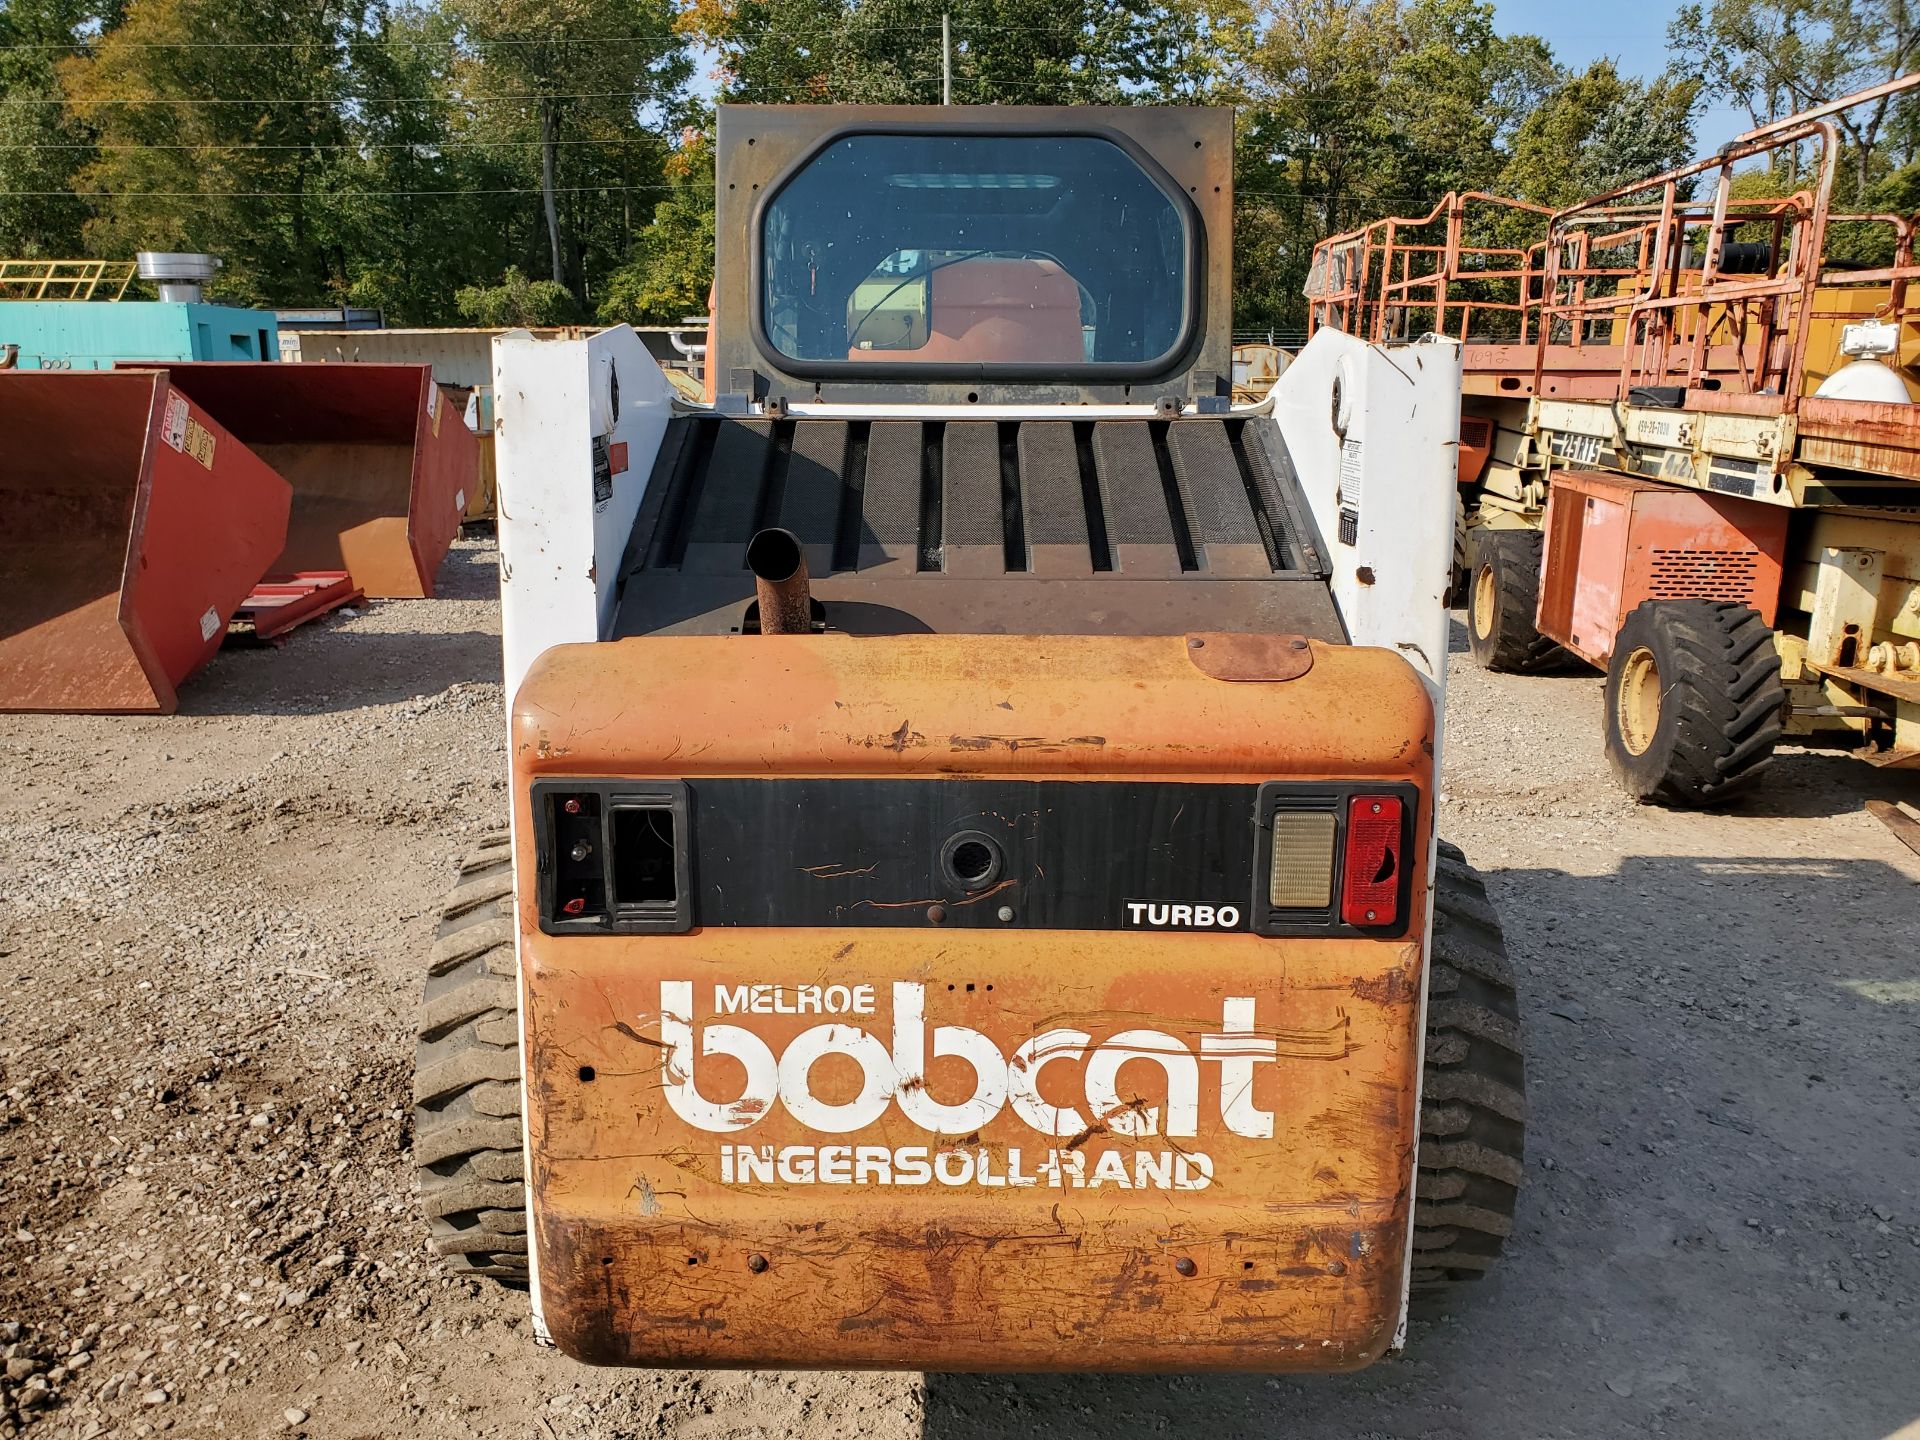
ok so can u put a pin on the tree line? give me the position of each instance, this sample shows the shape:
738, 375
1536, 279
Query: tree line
525, 161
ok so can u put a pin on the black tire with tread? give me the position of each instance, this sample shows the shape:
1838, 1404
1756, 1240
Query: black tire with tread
1462, 568
467, 1144
1722, 705
1473, 1095
1510, 644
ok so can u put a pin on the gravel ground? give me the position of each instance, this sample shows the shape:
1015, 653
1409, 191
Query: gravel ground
211, 931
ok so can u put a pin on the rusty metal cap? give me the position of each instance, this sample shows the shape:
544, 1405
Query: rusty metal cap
1222, 655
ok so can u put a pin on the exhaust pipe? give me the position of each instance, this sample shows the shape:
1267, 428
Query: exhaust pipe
779, 565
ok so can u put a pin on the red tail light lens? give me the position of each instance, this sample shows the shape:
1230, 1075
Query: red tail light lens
1370, 880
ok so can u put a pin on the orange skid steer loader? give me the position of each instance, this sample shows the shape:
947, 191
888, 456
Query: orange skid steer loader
972, 899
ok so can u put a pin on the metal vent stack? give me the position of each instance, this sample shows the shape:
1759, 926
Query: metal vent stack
182, 276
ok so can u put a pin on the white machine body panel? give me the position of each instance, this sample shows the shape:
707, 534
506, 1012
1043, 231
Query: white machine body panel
576, 426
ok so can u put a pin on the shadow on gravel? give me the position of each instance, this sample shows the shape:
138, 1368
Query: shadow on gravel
329, 670
334, 665
1717, 1238
1805, 784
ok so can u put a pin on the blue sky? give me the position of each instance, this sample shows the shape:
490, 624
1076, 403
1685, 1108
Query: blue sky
1633, 33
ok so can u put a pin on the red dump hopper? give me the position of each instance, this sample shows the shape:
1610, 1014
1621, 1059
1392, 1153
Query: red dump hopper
381, 465
132, 524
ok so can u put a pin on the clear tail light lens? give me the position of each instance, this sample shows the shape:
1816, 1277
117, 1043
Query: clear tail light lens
1302, 876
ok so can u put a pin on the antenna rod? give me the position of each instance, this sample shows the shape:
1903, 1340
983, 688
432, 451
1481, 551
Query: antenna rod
946, 61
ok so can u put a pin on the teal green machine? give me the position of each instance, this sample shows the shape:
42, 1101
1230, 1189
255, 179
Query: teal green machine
93, 335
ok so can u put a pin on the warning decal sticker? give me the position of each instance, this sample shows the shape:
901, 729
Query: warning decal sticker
1349, 492
173, 425
198, 442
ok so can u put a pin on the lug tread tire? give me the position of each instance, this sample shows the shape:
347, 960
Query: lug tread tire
1721, 702
1512, 646
1460, 577
1473, 1104
467, 1142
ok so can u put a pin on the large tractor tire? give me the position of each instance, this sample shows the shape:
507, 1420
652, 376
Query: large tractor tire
467, 1145
1503, 589
1473, 1096
1694, 703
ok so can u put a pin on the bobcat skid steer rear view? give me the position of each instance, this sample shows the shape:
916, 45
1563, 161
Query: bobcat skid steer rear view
972, 899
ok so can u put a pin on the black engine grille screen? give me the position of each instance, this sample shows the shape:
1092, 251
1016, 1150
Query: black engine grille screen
1059, 854
895, 514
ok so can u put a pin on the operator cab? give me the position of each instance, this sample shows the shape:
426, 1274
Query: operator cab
978, 369
1024, 256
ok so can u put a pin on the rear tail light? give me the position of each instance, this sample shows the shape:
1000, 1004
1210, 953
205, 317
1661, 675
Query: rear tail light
1370, 878
579, 867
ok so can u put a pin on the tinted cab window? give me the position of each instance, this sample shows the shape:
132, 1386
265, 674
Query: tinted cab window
1018, 251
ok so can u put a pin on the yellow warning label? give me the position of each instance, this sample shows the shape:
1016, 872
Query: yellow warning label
199, 442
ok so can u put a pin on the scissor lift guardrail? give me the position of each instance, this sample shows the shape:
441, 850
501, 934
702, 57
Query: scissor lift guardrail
1685, 339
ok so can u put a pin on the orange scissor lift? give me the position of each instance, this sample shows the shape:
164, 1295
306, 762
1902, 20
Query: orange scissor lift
1689, 448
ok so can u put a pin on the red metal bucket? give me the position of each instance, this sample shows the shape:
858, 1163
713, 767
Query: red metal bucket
381, 464
132, 524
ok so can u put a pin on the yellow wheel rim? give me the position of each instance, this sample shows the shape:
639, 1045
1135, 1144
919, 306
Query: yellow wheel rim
1637, 705
1485, 601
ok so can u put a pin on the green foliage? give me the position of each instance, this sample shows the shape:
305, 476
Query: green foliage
1005, 52
417, 200
1454, 91
1776, 57
668, 274
516, 301
39, 146
392, 153
1353, 110
586, 69
1595, 132
177, 171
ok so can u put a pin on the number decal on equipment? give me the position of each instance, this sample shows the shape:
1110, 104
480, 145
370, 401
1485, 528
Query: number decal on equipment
1580, 449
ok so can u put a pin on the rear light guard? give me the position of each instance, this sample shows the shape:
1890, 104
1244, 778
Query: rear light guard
1334, 859
613, 856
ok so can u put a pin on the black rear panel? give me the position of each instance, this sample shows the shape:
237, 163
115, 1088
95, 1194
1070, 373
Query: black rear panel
959, 854
1122, 527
